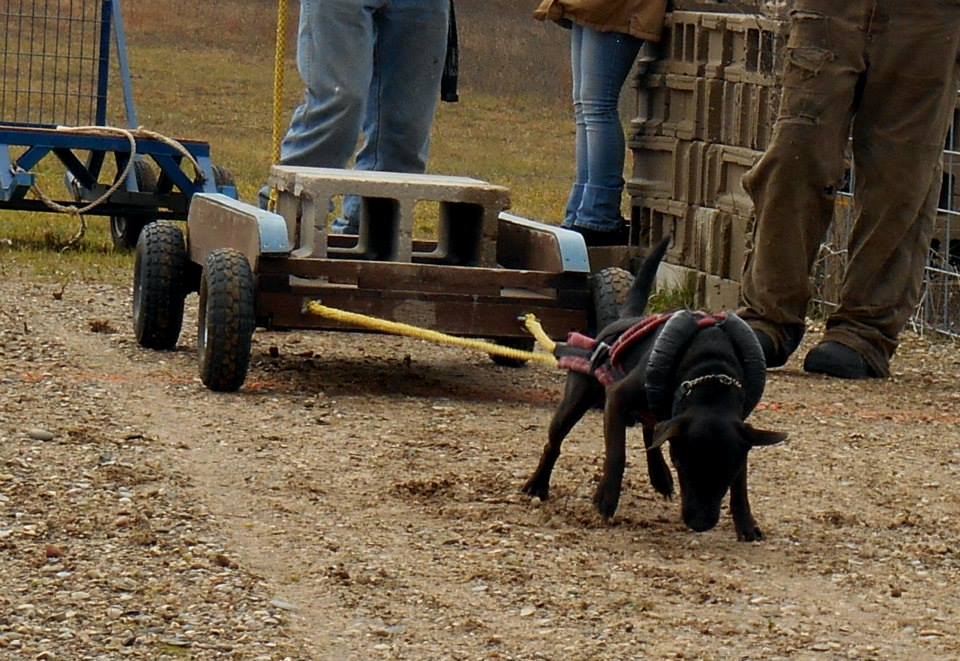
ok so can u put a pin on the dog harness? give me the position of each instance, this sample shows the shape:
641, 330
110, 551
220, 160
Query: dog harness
587, 355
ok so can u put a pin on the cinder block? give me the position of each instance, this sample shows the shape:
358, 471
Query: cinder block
466, 226
719, 294
710, 108
683, 99
710, 229
724, 169
718, 44
652, 97
654, 160
688, 172
659, 218
756, 45
737, 245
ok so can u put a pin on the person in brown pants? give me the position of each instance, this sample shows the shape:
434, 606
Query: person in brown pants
888, 68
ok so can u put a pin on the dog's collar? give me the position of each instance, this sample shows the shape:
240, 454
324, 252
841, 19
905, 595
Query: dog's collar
687, 386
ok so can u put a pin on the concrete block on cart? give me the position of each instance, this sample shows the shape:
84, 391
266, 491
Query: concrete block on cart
654, 165
723, 172
467, 222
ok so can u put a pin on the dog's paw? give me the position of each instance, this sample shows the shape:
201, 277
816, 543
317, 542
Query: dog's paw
660, 479
606, 501
749, 533
536, 488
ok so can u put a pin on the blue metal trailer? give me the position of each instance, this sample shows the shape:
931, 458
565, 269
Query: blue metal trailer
55, 65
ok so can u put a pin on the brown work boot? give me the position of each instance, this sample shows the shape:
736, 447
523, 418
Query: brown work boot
839, 360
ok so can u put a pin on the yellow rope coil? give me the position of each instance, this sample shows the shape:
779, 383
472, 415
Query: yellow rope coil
396, 328
279, 62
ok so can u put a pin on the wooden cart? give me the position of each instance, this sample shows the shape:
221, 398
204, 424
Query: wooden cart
484, 269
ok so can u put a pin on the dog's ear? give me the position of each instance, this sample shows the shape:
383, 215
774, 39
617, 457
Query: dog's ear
756, 437
667, 430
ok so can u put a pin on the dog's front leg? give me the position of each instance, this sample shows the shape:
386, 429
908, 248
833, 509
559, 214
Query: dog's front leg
743, 521
607, 496
580, 394
657, 469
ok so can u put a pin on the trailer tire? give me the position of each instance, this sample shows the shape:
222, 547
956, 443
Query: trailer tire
159, 286
611, 287
223, 177
125, 230
226, 320
521, 343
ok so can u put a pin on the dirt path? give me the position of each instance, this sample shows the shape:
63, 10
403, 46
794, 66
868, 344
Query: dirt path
360, 496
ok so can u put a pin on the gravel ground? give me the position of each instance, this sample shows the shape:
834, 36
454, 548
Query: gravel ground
358, 499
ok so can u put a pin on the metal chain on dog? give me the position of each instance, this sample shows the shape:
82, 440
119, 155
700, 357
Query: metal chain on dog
687, 386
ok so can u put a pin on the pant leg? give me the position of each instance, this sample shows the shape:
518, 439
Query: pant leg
576, 193
605, 60
335, 60
794, 184
408, 60
899, 132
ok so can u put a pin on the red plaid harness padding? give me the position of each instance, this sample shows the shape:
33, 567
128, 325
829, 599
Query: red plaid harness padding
586, 355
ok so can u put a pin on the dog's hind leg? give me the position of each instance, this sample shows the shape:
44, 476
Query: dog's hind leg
581, 393
619, 400
657, 468
743, 521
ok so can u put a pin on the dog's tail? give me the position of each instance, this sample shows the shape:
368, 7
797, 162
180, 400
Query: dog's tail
643, 282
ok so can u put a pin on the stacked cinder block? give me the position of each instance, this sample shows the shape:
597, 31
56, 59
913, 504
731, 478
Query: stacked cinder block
705, 112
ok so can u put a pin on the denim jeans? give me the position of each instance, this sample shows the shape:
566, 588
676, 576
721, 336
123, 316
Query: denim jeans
601, 62
372, 66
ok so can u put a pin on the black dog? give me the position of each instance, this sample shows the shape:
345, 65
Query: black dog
691, 381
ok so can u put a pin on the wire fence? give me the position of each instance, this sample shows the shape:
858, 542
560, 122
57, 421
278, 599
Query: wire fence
938, 310
53, 61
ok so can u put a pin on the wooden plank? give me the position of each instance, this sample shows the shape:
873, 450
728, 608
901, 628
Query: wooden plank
463, 317
418, 277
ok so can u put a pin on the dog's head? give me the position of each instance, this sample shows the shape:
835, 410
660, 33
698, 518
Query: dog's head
709, 452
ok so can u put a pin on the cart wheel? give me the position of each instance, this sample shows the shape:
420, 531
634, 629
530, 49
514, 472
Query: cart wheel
226, 320
223, 177
610, 289
521, 343
124, 230
159, 286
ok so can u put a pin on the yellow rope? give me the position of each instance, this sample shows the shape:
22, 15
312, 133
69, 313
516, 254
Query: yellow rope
279, 63
532, 324
396, 328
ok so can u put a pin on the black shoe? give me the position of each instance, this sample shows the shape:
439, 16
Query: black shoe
594, 238
777, 356
839, 360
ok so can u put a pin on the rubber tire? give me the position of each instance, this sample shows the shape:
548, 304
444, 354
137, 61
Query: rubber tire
521, 343
159, 286
223, 177
226, 320
125, 230
611, 286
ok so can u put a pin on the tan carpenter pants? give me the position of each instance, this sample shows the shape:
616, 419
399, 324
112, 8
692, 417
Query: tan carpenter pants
889, 67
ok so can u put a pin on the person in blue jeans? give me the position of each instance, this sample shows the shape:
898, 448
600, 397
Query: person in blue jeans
370, 66
606, 37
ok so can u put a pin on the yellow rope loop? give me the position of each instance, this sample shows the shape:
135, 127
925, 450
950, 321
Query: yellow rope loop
396, 328
533, 326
